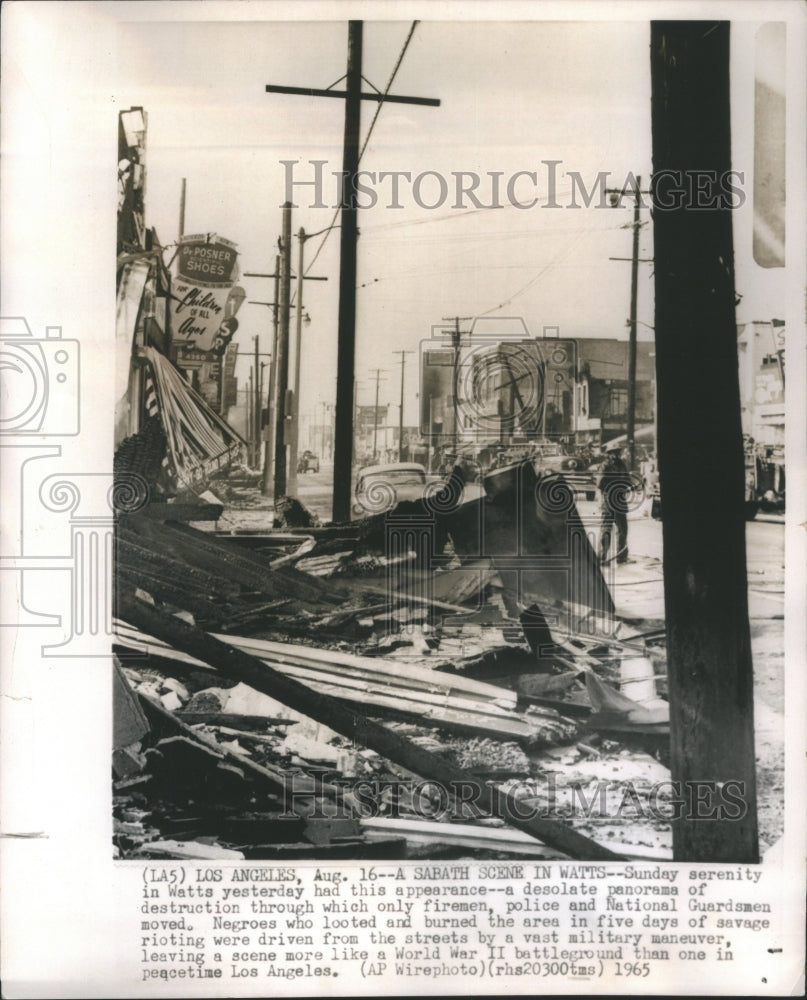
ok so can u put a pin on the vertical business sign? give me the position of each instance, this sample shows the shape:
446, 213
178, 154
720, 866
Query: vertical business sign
207, 267
230, 388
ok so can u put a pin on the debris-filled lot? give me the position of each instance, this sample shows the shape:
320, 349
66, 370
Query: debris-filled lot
342, 691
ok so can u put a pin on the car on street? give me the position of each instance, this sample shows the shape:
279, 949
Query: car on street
308, 462
380, 487
549, 456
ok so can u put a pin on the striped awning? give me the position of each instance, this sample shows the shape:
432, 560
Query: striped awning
200, 442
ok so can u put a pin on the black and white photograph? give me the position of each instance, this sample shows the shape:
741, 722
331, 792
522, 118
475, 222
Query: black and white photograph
426, 498
437, 581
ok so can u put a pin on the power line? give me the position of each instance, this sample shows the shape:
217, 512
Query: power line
540, 274
327, 231
387, 88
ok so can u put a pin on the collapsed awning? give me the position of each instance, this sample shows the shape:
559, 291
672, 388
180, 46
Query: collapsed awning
199, 441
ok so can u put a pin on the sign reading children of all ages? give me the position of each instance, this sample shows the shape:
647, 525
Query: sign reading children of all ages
207, 267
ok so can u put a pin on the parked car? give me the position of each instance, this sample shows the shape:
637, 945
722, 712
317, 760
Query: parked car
380, 487
549, 456
308, 462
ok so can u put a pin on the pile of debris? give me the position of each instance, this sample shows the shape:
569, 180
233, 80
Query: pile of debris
310, 692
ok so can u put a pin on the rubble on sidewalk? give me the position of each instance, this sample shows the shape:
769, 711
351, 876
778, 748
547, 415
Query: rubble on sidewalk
470, 671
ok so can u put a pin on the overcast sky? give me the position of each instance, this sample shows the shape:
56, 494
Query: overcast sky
512, 96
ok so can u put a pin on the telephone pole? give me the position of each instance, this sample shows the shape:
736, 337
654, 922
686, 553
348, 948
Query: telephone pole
282, 361
700, 447
294, 425
456, 336
378, 372
269, 429
352, 96
248, 418
400, 412
256, 420
294, 432
346, 350
182, 194
630, 427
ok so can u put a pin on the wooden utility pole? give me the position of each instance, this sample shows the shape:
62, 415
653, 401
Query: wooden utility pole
282, 360
617, 195
269, 430
248, 420
378, 372
701, 451
294, 423
400, 412
634, 275
256, 420
343, 418
352, 96
182, 193
456, 341
294, 428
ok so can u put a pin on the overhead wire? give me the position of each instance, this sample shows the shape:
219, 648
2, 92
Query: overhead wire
386, 91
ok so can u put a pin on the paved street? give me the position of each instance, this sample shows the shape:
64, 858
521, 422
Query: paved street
637, 586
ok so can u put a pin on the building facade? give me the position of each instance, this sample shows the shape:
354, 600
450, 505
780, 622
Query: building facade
574, 390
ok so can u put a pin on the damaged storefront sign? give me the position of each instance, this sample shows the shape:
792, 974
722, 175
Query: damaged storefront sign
207, 267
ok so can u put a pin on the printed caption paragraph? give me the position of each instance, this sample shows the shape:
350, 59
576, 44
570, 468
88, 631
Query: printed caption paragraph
450, 921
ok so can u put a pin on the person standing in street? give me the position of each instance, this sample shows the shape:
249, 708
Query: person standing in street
615, 485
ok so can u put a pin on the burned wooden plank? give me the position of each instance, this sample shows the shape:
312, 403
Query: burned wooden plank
471, 836
249, 558
141, 555
203, 549
263, 828
241, 666
388, 849
190, 850
245, 723
390, 689
334, 664
170, 593
181, 511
